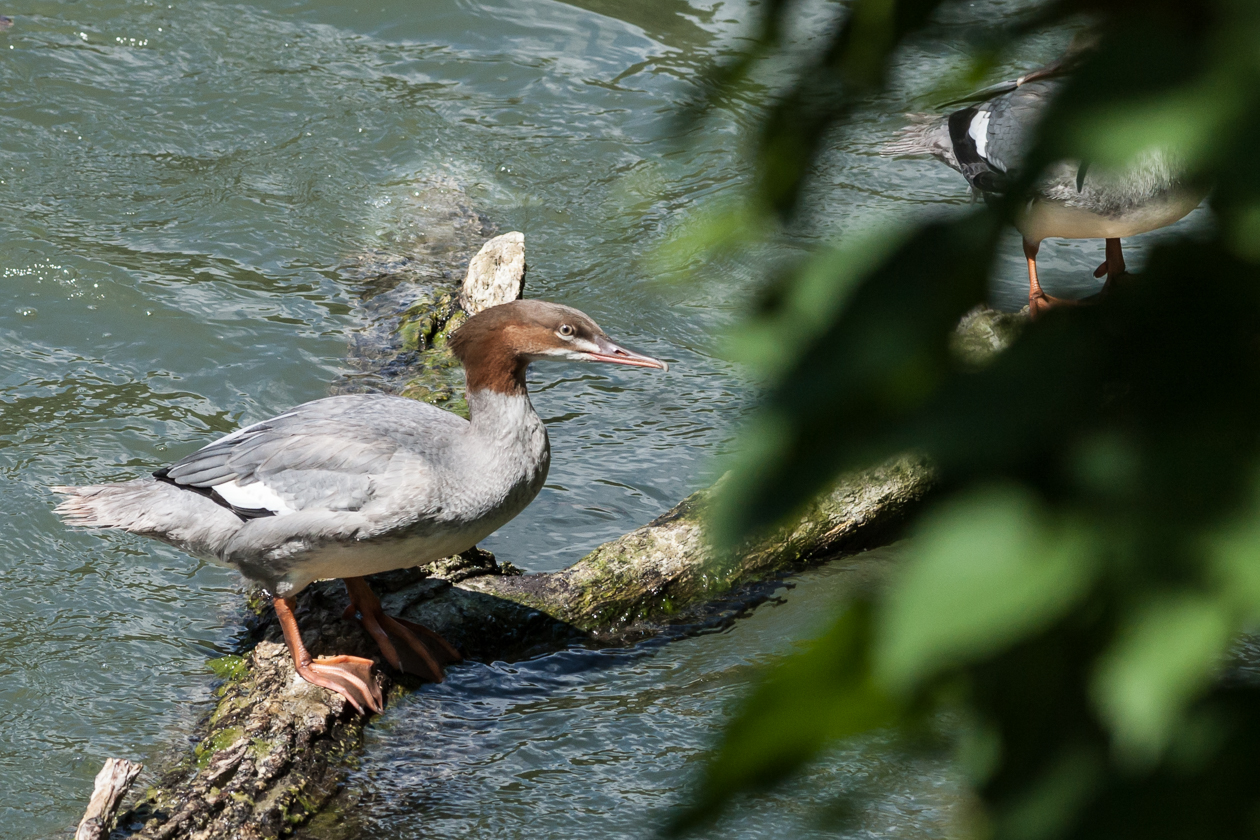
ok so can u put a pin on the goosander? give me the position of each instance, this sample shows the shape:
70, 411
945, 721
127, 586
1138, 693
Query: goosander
986, 143
353, 485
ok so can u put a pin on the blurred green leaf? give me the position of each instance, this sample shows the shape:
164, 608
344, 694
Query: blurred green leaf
1244, 233
826, 88
1234, 552
712, 235
1183, 127
983, 572
812, 301
1051, 802
1164, 655
883, 355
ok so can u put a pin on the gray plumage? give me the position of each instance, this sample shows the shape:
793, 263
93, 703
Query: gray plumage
1011, 120
1007, 122
382, 476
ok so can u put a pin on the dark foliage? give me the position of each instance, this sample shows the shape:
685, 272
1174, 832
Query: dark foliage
1076, 590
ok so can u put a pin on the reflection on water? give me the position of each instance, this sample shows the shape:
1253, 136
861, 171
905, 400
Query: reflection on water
180, 187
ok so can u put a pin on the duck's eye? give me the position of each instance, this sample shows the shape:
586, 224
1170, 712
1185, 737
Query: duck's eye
567, 331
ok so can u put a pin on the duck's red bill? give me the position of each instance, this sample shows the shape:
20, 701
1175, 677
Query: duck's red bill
615, 354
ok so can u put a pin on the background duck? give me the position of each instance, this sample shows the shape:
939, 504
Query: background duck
986, 142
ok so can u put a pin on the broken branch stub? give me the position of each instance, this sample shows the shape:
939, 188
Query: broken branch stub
112, 784
496, 275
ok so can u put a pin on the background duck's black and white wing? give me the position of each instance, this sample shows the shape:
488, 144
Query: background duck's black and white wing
986, 141
323, 455
989, 139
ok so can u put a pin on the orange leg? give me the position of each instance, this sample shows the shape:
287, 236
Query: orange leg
1038, 301
349, 676
1114, 266
418, 651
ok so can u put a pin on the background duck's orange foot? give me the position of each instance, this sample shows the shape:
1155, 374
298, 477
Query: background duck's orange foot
349, 676
417, 637
442, 650
1040, 303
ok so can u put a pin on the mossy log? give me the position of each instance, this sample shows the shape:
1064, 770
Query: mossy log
271, 753
665, 573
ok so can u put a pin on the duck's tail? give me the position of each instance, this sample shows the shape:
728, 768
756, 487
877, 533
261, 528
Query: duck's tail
151, 508
927, 134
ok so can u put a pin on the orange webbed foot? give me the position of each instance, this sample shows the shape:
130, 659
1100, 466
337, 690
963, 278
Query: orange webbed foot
408, 647
1040, 303
349, 676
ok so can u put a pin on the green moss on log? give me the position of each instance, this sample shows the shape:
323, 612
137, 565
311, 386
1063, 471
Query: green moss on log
424, 329
664, 571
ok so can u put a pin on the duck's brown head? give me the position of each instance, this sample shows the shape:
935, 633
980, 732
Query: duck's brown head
497, 345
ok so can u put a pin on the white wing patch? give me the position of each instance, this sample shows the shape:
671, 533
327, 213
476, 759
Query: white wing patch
979, 132
253, 497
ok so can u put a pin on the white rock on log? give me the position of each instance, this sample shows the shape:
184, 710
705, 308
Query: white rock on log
496, 275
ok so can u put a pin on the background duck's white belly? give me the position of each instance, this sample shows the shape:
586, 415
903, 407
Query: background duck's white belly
1046, 219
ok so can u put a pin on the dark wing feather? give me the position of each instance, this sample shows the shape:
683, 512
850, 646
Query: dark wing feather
980, 173
1012, 119
1006, 122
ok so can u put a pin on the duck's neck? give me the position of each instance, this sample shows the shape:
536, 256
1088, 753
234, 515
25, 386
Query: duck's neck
497, 397
494, 367
491, 412
504, 428
507, 438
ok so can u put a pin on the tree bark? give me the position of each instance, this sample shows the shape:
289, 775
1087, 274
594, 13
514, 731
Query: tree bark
270, 755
